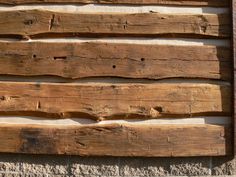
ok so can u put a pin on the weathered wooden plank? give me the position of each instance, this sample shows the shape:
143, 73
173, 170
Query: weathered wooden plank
78, 60
114, 101
103, 140
34, 22
214, 3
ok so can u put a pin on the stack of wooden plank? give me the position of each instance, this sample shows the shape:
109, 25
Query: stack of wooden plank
114, 60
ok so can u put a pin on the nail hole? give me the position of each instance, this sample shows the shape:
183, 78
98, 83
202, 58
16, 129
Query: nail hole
2, 98
39, 105
159, 109
34, 56
59, 58
142, 59
114, 66
28, 22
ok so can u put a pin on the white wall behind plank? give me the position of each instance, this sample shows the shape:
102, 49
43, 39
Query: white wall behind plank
95, 8
81, 121
91, 8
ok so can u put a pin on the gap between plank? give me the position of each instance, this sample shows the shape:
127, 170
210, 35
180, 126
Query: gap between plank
98, 8
129, 40
83, 121
106, 80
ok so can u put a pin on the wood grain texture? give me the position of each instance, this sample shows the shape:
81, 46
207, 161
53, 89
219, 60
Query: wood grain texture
35, 22
214, 3
103, 140
114, 101
80, 60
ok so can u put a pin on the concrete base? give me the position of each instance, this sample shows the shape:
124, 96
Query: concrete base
61, 166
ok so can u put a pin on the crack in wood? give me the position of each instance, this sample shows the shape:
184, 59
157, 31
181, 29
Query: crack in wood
51, 22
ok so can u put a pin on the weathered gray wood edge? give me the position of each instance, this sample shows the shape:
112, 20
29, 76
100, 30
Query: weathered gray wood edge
234, 71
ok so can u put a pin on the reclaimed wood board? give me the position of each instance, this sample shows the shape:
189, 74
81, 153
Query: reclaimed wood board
82, 60
114, 101
214, 3
46, 79
38, 22
144, 140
